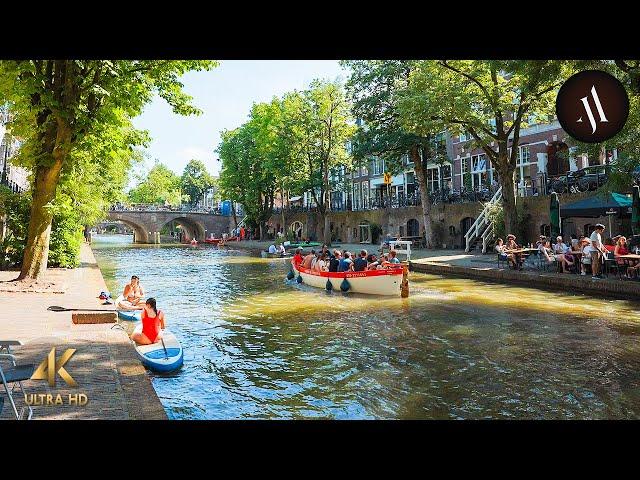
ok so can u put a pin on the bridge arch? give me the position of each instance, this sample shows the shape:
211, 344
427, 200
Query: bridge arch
140, 233
191, 228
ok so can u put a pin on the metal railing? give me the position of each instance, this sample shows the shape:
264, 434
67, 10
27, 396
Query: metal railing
482, 224
162, 208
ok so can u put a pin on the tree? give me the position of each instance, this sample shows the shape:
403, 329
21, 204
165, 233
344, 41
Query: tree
375, 87
318, 125
491, 100
195, 180
159, 186
255, 162
58, 103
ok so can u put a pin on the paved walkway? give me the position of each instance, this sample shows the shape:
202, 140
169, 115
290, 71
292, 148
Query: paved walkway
104, 366
473, 265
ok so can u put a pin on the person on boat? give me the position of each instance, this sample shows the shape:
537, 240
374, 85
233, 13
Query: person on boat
194, 242
297, 258
360, 263
306, 262
346, 263
334, 261
393, 259
281, 250
372, 262
134, 293
272, 249
322, 264
384, 262
152, 323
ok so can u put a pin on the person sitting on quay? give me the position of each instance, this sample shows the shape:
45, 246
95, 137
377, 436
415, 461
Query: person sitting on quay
134, 293
346, 264
515, 258
360, 264
622, 248
561, 248
501, 249
393, 258
152, 323
552, 257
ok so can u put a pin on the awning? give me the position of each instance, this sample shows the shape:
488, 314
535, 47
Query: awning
598, 206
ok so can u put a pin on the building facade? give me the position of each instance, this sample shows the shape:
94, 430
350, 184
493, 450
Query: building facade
11, 176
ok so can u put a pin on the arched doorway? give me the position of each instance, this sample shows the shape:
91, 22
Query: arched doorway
413, 228
465, 225
296, 228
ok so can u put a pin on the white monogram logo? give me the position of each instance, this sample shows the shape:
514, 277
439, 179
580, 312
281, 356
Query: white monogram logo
587, 107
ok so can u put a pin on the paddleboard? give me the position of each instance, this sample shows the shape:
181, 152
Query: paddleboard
126, 311
154, 356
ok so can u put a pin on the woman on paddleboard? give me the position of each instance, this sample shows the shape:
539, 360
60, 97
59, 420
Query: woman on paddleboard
152, 323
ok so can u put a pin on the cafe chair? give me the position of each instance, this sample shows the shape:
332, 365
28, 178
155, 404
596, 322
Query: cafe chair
12, 376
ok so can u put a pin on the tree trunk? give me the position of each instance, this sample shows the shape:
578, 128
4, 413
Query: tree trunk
36, 252
509, 201
421, 178
327, 230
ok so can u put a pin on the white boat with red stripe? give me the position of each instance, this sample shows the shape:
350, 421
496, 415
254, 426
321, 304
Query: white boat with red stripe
374, 282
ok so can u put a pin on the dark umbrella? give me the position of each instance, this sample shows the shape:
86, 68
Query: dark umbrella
635, 211
554, 215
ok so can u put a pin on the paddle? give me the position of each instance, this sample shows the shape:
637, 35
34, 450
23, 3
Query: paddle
55, 308
166, 354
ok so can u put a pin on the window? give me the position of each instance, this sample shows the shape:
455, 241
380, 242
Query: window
523, 171
364, 171
479, 175
463, 137
378, 166
445, 174
365, 195
433, 179
464, 167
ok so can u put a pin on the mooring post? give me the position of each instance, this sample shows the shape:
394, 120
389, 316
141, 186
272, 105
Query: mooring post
404, 287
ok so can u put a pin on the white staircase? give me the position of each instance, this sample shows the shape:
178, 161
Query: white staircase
482, 229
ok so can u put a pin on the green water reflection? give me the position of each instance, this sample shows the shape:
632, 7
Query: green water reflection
257, 346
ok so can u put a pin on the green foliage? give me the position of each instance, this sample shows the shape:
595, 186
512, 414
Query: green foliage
195, 181
159, 186
73, 117
66, 233
495, 214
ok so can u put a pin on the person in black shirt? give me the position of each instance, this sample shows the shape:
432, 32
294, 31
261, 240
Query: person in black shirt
335, 261
360, 263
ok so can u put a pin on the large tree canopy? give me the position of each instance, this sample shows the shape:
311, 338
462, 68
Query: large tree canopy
492, 100
375, 88
159, 186
59, 104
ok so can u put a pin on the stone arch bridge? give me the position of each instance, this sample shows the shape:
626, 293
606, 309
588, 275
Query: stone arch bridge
147, 224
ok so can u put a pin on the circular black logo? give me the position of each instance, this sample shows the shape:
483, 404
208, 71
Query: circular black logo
592, 106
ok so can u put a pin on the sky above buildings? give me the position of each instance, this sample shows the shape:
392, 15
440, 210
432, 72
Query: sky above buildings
225, 95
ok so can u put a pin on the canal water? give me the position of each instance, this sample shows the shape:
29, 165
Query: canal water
258, 346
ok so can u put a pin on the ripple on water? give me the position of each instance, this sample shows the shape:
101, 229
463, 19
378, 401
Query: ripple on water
258, 346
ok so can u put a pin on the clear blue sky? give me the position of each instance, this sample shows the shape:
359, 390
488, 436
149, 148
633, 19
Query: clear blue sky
225, 95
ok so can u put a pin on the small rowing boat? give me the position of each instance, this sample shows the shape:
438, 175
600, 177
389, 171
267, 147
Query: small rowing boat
213, 241
264, 254
373, 282
161, 357
302, 245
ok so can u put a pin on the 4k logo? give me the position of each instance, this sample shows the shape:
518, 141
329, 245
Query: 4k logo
592, 106
50, 366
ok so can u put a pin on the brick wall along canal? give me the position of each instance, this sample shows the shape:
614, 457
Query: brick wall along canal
257, 346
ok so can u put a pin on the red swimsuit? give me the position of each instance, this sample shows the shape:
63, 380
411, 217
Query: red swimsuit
150, 326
